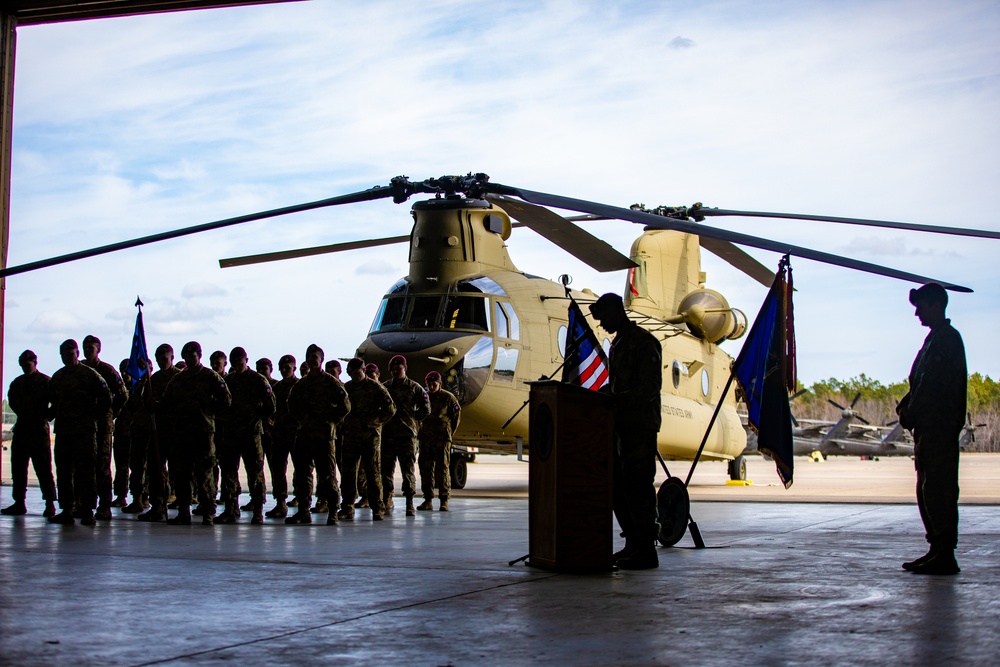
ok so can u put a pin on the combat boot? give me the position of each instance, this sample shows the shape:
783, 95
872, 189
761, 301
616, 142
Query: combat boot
17, 509
135, 507
301, 517
332, 519
643, 558
322, 507
389, 505
294, 502
230, 515
444, 505
410, 509
208, 520
119, 502
88, 518
64, 518
50, 509
103, 513
426, 505
920, 561
362, 503
376, 515
626, 551
943, 562
346, 513
258, 517
182, 519
152, 515
248, 507
280, 511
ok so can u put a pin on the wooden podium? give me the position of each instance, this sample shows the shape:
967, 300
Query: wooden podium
570, 522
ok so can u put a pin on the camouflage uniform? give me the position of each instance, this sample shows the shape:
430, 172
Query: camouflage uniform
134, 423
28, 397
937, 403
282, 439
106, 427
635, 367
371, 407
399, 435
80, 399
192, 399
267, 434
435, 444
252, 402
121, 448
160, 443
318, 403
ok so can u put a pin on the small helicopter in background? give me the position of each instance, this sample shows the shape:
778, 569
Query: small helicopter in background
465, 310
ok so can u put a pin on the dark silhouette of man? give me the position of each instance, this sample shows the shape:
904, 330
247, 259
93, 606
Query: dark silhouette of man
28, 397
934, 409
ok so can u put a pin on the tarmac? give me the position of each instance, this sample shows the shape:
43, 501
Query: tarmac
781, 583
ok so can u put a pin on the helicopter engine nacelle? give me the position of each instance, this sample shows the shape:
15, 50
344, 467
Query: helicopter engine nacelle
709, 316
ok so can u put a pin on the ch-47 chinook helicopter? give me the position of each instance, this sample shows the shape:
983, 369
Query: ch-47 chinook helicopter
465, 309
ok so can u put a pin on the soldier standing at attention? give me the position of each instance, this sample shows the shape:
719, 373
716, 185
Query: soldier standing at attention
371, 407
318, 402
399, 435
265, 368
252, 402
121, 443
80, 399
934, 409
28, 397
435, 436
159, 436
333, 368
193, 398
105, 426
635, 369
282, 438
131, 432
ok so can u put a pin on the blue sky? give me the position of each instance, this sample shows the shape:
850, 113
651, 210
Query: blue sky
131, 126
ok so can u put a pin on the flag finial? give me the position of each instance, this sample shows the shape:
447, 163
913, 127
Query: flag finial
138, 301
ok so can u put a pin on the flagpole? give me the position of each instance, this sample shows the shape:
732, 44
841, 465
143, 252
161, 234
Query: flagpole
711, 423
147, 388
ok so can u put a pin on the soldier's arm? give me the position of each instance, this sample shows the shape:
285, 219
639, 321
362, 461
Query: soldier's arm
268, 405
940, 373
119, 393
388, 408
455, 411
102, 395
421, 404
341, 404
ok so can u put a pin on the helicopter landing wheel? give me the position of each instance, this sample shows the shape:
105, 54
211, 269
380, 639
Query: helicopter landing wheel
673, 507
459, 472
738, 469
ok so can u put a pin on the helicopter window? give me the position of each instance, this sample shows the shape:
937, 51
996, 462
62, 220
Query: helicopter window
482, 284
399, 287
466, 312
390, 315
561, 339
503, 326
705, 384
503, 370
515, 325
677, 370
424, 312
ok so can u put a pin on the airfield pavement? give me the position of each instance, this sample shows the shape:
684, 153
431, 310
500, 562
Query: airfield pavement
810, 575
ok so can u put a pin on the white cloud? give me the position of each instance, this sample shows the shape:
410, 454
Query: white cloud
197, 290
378, 267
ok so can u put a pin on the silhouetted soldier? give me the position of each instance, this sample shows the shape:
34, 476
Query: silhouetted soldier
635, 369
193, 398
435, 434
333, 368
282, 437
28, 397
371, 407
399, 435
80, 400
934, 409
252, 402
265, 368
318, 402
160, 438
105, 426
121, 444
218, 361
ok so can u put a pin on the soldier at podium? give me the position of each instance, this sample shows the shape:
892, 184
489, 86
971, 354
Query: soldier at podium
635, 368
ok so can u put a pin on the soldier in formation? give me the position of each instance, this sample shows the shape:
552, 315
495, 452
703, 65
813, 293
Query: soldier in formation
28, 397
106, 424
435, 435
399, 435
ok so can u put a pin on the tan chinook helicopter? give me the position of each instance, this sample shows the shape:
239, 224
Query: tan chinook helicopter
466, 311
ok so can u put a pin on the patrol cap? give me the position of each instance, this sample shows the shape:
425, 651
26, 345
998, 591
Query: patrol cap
27, 355
286, 359
433, 375
931, 292
238, 353
164, 348
68, 344
90, 338
398, 360
354, 364
607, 304
315, 348
372, 368
191, 347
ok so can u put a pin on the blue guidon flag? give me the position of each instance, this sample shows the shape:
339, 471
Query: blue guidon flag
765, 370
586, 364
138, 359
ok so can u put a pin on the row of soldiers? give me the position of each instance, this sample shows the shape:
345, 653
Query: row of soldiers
183, 430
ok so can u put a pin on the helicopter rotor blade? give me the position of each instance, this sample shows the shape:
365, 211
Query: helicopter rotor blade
857, 397
580, 243
738, 258
659, 222
378, 192
888, 224
308, 252
835, 404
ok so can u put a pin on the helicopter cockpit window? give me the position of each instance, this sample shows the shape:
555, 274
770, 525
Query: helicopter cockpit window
503, 326
424, 312
515, 324
506, 364
507, 324
399, 287
390, 315
484, 285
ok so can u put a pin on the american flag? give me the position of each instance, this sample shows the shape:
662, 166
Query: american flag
586, 364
